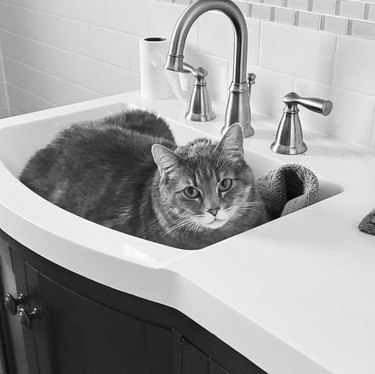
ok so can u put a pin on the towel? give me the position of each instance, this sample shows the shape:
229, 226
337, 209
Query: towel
367, 225
287, 189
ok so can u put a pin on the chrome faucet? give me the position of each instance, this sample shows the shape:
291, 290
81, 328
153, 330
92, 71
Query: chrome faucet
289, 137
238, 106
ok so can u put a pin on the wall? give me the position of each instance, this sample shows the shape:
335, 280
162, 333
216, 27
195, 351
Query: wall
4, 104
59, 52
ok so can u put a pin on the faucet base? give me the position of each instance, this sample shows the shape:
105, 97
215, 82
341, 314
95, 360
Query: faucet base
288, 149
238, 108
200, 117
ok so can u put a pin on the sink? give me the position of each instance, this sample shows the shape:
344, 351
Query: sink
20, 140
18, 143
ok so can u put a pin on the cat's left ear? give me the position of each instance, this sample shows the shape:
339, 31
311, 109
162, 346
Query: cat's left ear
232, 140
165, 159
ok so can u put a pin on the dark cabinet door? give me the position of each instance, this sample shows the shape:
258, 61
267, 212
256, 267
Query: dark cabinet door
77, 335
195, 361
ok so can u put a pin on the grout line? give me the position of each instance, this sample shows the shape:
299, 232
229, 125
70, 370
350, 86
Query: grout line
372, 144
6, 94
334, 61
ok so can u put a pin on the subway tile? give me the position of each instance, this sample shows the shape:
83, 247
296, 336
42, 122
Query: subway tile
3, 98
351, 9
244, 6
354, 65
274, 2
268, 91
34, 103
371, 12
324, 6
284, 15
260, 11
13, 46
124, 80
134, 53
253, 28
49, 87
61, 32
92, 74
91, 11
373, 132
296, 51
64, 8
363, 29
351, 118
52, 60
308, 20
4, 112
334, 24
298, 4
183, 2
37, 82
110, 46
128, 16
216, 35
13, 18
16, 99
15, 73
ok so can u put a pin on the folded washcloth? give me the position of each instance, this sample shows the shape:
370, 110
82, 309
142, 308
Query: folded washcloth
367, 225
289, 188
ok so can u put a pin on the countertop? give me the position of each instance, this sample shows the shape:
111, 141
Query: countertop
296, 295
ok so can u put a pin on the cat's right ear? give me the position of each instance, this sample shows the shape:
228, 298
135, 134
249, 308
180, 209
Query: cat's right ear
165, 159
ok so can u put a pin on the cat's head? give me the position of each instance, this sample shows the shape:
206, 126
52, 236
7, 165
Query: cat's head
204, 184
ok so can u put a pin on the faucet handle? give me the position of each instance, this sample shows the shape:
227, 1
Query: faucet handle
199, 72
200, 108
317, 105
289, 137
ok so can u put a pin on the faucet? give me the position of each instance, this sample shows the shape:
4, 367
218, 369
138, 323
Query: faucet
289, 137
238, 106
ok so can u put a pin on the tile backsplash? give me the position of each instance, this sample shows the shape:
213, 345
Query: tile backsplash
60, 52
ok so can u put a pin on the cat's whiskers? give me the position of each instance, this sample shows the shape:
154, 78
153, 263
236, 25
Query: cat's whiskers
245, 206
180, 223
248, 206
190, 227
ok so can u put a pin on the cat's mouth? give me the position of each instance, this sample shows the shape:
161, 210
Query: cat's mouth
216, 223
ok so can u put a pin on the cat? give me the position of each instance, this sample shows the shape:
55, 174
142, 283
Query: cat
126, 172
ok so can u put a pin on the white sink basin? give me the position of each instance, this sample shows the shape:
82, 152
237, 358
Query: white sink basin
18, 143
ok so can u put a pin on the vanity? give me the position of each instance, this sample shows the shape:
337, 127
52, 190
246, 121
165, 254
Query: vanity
296, 295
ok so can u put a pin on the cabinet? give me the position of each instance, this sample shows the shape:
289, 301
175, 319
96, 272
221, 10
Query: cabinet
71, 324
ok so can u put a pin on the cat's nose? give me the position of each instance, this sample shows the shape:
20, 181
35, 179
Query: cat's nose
213, 211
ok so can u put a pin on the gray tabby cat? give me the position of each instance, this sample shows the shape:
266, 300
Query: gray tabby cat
126, 172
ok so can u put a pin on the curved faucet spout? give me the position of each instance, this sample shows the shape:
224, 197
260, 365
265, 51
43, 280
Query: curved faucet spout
238, 107
190, 15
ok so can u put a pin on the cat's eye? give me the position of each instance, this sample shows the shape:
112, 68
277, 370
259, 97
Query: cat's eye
225, 184
191, 192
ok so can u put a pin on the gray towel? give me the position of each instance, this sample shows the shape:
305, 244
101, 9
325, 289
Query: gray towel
367, 225
289, 188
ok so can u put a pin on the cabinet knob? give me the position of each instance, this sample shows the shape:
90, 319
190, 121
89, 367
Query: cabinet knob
26, 317
11, 303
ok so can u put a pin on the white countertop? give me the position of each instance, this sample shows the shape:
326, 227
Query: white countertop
296, 295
